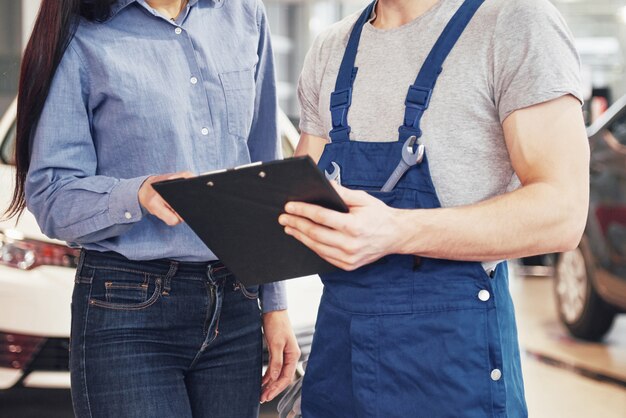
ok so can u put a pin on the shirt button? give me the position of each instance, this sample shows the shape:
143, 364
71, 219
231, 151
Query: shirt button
128, 215
484, 295
178, 31
205, 131
496, 374
193, 80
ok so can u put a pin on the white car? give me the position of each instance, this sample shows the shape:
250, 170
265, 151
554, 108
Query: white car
37, 277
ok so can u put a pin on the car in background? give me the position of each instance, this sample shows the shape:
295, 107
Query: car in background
37, 278
590, 281
538, 266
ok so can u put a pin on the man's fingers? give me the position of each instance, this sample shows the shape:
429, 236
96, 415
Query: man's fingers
352, 197
329, 253
318, 232
319, 215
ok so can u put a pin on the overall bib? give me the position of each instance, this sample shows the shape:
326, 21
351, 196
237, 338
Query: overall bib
402, 338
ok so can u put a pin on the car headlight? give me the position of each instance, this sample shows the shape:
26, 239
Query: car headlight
26, 254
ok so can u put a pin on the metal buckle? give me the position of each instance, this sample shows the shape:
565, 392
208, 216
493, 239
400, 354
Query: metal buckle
418, 97
341, 99
409, 131
340, 132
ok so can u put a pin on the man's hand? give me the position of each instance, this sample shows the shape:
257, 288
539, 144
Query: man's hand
284, 354
549, 152
154, 203
347, 240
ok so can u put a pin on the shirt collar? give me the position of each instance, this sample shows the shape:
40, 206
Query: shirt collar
121, 4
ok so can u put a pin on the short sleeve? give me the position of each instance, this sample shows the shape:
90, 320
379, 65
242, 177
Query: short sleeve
534, 59
309, 86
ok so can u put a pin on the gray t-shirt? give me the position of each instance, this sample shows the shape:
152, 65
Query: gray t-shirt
513, 54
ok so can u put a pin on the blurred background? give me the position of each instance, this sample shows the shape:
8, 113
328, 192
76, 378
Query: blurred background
572, 331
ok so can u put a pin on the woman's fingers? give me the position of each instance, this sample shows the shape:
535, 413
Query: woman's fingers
161, 210
274, 369
173, 211
154, 203
180, 175
284, 354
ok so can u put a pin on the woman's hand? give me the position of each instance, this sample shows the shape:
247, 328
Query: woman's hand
284, 354
154, 203
371, 230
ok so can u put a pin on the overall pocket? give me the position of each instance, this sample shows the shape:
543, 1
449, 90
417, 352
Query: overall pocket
124, 289
239, 94
388, 198
432, 358
397, 198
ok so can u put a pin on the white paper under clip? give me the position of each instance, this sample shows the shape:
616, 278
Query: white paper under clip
221, 170
248, 165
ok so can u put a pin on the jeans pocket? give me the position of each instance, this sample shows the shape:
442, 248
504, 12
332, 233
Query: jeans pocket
116, 292
250, 292
123, 289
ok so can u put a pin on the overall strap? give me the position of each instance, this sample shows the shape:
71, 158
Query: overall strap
341, 98
418, 97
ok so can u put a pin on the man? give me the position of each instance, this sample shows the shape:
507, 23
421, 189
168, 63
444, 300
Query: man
418, 321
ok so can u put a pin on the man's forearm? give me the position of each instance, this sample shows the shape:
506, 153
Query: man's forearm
535, 219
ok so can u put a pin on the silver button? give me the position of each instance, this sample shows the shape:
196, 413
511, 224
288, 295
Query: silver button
205, 131
193, 80
178, 31
128, 215
496, 374
484, 295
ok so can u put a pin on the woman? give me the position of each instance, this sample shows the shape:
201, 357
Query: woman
112, 95
418, 322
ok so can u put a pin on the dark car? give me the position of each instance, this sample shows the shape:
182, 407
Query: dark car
590, 281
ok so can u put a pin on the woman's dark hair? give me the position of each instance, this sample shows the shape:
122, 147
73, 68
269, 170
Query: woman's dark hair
54, 29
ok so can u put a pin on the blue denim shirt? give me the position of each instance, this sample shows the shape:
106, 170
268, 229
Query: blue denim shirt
141, 95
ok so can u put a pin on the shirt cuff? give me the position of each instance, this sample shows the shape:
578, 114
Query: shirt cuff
124, 207
273, 297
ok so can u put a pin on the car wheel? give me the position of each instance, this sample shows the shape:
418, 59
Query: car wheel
581, 309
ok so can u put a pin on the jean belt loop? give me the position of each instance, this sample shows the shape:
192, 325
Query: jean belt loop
210, 273
167, 285
79, 264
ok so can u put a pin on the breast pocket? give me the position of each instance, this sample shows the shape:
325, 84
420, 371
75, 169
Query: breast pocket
239, 94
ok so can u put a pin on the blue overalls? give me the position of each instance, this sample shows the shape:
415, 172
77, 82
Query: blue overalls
404, 337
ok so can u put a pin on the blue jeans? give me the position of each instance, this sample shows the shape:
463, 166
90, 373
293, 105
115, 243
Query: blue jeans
163, 339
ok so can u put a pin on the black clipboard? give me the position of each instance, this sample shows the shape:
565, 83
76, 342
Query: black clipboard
235, 213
